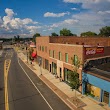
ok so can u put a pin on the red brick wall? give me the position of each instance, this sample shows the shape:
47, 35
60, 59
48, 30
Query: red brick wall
42, 41
66, 48
81, 40
71, 50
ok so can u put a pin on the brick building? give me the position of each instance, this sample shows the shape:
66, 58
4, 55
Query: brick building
55, 54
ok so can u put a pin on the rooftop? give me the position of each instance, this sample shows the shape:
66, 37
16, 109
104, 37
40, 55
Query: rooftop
102, 71
99, 67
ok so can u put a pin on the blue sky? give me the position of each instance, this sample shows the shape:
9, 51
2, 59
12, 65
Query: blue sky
27, 17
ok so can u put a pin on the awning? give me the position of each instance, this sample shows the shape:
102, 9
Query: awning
34, 55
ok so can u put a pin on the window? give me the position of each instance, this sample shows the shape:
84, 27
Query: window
50, 53
40, 48
66, 57
43, 48
53, 53
75, 59
59, 55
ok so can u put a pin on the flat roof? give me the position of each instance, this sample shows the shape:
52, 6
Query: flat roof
101, 71
97, 58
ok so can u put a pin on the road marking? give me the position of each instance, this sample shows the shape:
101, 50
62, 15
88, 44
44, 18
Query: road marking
6, 55
6, 69
9, 54
35, 86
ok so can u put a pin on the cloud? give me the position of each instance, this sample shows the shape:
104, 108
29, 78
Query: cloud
95, 5
11, 25
9, 12
65, 23
49, 14
28, 21
74, 9
104, 12
83, 22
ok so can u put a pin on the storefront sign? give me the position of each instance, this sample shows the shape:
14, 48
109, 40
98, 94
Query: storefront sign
94, 50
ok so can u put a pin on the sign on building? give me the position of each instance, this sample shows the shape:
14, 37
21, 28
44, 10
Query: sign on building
94, 50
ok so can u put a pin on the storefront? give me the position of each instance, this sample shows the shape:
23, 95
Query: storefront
100, 88
66, 75
92, 91
46, 64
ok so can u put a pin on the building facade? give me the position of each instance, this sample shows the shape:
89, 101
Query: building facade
56, 53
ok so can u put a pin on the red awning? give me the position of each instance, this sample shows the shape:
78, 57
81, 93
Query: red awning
34, 55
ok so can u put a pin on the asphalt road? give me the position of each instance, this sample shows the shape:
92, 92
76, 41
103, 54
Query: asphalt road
24, 94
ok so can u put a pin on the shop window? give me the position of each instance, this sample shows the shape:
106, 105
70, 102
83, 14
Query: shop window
66, 57
67, 75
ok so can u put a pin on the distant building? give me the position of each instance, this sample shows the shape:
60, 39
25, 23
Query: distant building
55, 55
1, 42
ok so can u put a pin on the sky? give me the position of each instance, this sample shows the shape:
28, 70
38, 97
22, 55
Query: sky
27, 17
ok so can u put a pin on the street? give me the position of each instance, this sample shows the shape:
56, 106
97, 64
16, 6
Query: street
21, 89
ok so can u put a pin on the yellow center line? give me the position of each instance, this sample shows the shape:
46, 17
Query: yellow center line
6, 69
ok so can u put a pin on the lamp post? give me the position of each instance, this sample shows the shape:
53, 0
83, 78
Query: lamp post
40, 66
27, 56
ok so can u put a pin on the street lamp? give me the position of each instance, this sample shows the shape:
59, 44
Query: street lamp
27, 56
40, 66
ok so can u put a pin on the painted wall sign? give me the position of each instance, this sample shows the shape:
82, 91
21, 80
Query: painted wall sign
94, 50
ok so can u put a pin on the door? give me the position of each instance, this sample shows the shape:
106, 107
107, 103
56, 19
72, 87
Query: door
50, 67
106, 97
60, 72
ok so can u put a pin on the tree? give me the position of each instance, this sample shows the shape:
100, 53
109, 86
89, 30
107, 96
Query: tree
88, 34
54, 34
105, 31
14, 38
74, 76
18, 38
66, 32
34, 36
30, 53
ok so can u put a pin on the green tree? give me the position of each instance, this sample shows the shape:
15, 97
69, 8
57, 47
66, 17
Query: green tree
66, 32
88, 34
105, 31
30, 53
18, 38
15, 38
34, 37
75, 82
54, 34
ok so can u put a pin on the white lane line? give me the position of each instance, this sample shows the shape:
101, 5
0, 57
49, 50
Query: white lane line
5, 54
35, 86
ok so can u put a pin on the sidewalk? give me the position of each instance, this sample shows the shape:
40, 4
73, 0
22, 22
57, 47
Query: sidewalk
63, 90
